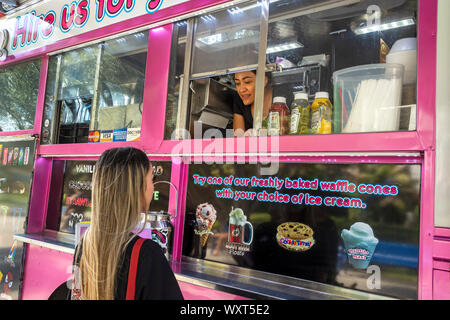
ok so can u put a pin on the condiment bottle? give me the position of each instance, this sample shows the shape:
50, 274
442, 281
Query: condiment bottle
300, 110
321, 114
278, 117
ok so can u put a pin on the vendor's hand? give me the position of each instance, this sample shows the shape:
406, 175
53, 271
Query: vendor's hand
239, 133
248, 133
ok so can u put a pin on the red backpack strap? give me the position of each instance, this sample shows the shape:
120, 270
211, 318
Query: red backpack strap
131, 285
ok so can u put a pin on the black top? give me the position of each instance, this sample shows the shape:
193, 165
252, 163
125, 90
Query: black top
154, 280
245, 111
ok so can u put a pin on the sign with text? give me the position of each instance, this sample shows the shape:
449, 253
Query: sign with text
51, 21
76, 200
76, 203
330, 223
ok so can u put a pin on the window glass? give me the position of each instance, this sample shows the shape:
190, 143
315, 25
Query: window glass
18, 96
49, 107
75, 193
95, 94
77, 75
348, 225
16, 177
177, 61
121, 86
356, 63
226, 39
331, 67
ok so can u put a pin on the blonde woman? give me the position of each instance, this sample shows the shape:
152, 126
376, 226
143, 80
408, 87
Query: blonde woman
122, 188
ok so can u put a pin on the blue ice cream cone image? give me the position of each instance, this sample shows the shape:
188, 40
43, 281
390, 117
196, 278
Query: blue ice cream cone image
360, 244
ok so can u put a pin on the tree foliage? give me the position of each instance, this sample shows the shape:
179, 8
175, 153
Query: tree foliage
19, 87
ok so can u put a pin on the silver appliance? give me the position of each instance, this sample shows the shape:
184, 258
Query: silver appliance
211, 103
161, 227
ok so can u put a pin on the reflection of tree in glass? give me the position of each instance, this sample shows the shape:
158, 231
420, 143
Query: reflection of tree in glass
124, 75
396, 212
78, 71
18, 96
50, 87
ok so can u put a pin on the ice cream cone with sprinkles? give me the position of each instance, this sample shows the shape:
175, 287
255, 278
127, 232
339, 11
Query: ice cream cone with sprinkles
205, 215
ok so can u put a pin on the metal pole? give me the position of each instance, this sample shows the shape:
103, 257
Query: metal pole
182, 115
260, 71
55, 122
93, 125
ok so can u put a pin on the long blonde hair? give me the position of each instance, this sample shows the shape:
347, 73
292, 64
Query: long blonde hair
118, 187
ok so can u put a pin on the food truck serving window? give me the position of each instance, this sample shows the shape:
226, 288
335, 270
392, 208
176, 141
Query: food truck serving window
18, 96
95, 94
329, 67
348, 225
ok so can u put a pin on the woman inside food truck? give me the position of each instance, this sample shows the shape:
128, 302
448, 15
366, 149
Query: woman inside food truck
244, 105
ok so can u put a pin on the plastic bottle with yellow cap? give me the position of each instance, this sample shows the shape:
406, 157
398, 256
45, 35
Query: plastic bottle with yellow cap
321, 114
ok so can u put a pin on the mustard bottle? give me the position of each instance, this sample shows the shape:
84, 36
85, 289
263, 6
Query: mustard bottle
321, 114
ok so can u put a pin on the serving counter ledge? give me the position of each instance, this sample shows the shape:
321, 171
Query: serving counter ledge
234, 280
51, 240
260, 285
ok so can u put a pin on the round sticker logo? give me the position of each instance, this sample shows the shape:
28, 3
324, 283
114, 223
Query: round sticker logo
8, 283
295, 236
94, 136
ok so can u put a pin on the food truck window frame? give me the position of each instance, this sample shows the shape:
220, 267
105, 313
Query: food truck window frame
153, 130
183, 110
397, 143
43, 217
55, 87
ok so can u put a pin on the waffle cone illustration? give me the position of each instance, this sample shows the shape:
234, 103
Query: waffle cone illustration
204, 238
205, 215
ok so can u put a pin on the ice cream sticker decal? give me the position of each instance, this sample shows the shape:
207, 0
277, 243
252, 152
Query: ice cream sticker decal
9, 259
160, 237
360, 244
205, 216
295, 236
236, 244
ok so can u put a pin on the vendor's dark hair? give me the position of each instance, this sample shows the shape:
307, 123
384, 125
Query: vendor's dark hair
268, 75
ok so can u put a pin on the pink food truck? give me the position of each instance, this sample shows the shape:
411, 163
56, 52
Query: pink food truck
300, 147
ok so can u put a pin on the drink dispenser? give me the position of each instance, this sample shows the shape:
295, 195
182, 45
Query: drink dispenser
158, 226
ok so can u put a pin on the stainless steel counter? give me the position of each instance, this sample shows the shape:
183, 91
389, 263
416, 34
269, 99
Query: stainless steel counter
51, 240
235, 280
260, 285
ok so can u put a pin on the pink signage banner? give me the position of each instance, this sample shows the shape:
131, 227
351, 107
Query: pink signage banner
51, 21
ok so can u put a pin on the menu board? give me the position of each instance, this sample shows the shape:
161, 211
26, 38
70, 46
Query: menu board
76, 205
76, 199
348, 225
16, 172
